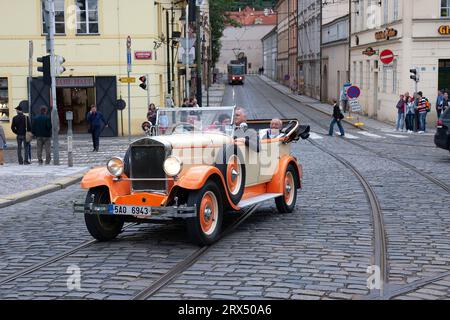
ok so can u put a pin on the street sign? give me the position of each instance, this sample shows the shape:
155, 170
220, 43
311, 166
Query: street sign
127, 80
355, 106
129, 60
353, 92
143, 55
387, 56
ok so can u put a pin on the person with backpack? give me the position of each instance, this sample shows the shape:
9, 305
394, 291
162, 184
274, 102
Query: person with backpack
21, 126
42, 130
423, 107
337, 119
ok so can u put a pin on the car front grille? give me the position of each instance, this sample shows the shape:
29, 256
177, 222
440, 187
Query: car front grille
147, 163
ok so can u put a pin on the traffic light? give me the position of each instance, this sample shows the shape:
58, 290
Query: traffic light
414, 75
143, 84
59, 68
45, 69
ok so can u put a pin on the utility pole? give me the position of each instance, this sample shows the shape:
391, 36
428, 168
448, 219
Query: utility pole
50, 7
199, 56
172, 21
187, 53
169, 85
30, 75
129, 85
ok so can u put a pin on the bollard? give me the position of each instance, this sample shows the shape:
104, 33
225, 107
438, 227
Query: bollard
69, 118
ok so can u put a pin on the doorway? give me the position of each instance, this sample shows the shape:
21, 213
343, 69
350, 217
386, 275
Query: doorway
444, 75
78, 101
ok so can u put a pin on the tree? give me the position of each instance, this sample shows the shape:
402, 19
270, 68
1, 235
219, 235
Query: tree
219, 21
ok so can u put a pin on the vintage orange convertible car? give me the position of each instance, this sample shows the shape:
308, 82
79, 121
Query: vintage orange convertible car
196, 167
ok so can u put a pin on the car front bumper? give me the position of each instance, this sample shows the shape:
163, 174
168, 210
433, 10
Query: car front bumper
442, 138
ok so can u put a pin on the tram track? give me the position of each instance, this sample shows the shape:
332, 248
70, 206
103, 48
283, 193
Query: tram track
380, 242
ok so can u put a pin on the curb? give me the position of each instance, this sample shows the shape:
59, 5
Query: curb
63, 183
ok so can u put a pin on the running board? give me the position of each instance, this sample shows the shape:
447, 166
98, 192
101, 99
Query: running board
264, 197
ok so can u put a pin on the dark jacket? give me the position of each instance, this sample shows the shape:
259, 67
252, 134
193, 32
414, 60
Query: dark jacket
19, 126
401, 106
337, 114
95, 119
42, 126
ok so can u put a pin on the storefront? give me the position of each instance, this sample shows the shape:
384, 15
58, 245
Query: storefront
77, 94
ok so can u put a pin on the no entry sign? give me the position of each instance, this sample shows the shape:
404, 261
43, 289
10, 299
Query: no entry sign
387, 56
353, 92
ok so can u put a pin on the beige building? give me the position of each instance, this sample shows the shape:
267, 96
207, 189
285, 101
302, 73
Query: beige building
92, 36
417, 32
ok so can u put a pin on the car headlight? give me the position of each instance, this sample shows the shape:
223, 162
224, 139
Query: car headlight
115, 166
172, 166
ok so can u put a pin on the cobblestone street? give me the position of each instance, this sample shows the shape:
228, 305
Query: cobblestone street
320, 251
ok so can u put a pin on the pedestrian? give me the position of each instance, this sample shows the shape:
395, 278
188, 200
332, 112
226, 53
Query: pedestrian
445, 103
423, 107
401, 105
410, 110
337, 118
185, 103
2, 144
195, 103
42, 130
95, 119
152, 113
344, 100
21, 126
439, 103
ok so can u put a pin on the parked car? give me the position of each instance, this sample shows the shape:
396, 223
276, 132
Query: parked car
442, 136
198, 167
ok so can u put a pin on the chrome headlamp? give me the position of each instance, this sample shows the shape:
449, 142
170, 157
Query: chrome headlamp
116, 166
173, 166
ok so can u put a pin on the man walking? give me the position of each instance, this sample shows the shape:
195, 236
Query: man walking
20, 126
95, 120
42, 130
337, 118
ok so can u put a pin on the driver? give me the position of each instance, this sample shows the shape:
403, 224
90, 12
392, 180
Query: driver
242, 133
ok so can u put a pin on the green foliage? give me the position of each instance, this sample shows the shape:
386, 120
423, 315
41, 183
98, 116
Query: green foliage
257, 4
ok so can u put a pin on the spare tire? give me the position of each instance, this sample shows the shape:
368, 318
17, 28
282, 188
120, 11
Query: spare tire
231, 164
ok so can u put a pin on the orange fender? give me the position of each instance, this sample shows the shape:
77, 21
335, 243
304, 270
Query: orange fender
100, 177
277, 183
196, 177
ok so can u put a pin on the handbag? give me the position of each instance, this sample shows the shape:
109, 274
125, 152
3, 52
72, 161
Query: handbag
28, 135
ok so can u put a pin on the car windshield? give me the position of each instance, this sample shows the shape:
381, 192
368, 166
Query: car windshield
195, 120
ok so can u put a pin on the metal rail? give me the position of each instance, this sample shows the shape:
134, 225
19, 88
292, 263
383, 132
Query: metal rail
183, 265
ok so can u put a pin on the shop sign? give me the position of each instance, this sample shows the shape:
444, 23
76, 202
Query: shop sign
386, 34
369, 52
444, 30
75, 82
143, 55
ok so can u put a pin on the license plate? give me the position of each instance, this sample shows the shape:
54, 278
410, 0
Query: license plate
130, 210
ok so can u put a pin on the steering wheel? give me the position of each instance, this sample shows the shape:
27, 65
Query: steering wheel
184, 124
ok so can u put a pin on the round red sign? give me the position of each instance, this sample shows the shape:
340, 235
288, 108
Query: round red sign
387, 56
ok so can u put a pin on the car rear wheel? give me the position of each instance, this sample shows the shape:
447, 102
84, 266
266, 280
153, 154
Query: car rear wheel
286, 203
102, 227
232, 166
205, 228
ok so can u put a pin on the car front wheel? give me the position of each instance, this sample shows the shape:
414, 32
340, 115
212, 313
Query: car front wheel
286, 203
102, 227
204, 229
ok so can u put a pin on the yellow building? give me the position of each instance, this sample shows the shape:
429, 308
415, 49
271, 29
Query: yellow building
92, 37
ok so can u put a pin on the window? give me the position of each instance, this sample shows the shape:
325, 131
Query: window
395, 10
362, 14
385, 76
361, 74
59, 18
445, 8
385, 11
368, 74
4, 100
355, 80
87, 16
394, 77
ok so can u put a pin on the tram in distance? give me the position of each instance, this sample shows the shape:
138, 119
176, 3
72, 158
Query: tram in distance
236, 73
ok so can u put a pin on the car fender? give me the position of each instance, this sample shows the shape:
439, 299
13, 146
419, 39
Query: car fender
277, 183
195, 178
100, 177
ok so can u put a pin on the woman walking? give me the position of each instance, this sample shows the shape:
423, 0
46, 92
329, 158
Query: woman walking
337, 118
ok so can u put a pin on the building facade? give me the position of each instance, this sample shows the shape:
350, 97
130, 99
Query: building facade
245, 40
282, 9
92, 37
293, 44
418, 34
335, 50
270, 50
309, 47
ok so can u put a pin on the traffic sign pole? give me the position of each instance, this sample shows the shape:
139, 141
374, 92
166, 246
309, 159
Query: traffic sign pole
129, 85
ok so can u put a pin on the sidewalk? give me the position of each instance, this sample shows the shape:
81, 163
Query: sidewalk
216, 92
328, 109
21, 183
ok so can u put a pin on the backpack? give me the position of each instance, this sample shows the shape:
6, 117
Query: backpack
427, 105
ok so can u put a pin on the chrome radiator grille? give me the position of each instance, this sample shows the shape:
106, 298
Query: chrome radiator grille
147, 163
